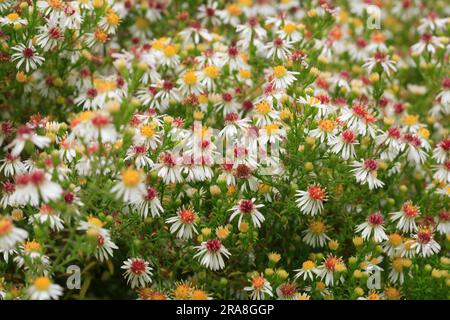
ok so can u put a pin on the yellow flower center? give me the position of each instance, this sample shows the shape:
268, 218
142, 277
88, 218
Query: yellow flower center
95, 221
42, 283
392, 293
170, 51
258, 282
317, 227
308, 265
410, 120
199, 295
159, 44
246, 74
271, 128
424, 133
263, 108
373, 296
203, 98
212, 72
112, 18
395, 239
234, 10
289, 28
55, 4
326, 125
101, 36
148, 131
182, 292
141, 23
190, 78
12, 16
279, 71
6, 226
102, 85
131, 177
31, 246
397, 264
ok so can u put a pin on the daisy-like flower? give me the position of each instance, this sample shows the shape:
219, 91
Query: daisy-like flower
194, 33
307, 270
271, 133
443, 222
373, 225
414, 151
149, 204
183, 224
248, 207
105, 247
189, 83
442, 151
44, 289
380, 59
289, 32
49, 36
48, 215
24, 134
278, 48
424, 243
10, 235
311, 201
428, 43
31, 255
11, 165
259, 288
233, 125
286, 291
392, 246
443, 172
359, 119
328, 268
315, 234
210, 253
34, 185
137, 272
208, 76
130, 187
365, 172
12, 19
230, 14
232, 58
110, 21
169, 168
26, 55
170, 57
406, 217
396, 274
93, 226
344, 144
444, 95
326, 130
209, 13
251, 29
282, 78
138, 153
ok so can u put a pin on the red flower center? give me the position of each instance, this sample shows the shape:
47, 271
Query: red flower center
28, 53
138, 267
376, 219
246, 206
213, 245
186, 216
316, 193
371, 164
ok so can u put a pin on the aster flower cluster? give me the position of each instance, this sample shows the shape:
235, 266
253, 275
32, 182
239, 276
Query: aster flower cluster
213, 149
